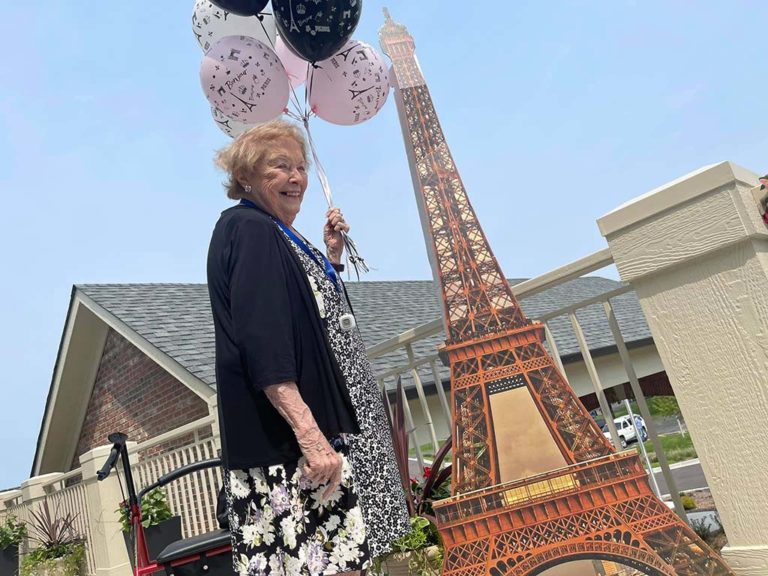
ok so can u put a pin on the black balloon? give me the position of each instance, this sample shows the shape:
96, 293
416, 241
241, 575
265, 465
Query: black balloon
315, 29
242, 7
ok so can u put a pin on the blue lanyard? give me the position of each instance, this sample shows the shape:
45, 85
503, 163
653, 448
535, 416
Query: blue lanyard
329, 271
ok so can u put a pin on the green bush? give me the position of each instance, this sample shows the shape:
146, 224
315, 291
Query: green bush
68, 560
701, 528
423, 560
663, 406
714, 537
154, 509
58, 543
12, 532
689, 503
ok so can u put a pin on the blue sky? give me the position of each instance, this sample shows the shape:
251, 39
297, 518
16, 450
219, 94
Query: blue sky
556, 113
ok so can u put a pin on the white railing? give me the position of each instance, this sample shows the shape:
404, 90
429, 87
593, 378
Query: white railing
193, 497
73, 500
414, 354
65, 494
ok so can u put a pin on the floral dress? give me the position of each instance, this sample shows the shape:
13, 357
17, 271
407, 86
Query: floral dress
279, 520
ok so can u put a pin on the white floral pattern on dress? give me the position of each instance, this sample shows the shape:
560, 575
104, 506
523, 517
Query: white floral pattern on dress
281, 523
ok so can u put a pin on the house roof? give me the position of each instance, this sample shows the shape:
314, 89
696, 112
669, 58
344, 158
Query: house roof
176, 318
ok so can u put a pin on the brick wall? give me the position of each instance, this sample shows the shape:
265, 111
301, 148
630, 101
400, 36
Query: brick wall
133, 394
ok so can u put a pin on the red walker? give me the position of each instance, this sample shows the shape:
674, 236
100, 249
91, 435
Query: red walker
209, 554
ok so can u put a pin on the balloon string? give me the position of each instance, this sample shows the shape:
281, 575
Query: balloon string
293, 115
301, 112
274, 47
326, 186
353, 256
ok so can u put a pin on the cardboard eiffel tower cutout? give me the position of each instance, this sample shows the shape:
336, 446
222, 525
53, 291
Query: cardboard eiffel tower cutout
535, 482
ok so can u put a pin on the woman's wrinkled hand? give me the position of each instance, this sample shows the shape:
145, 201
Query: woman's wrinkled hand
332, 234
323, 463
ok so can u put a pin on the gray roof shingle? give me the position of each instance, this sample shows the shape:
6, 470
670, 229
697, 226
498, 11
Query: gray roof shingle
176, 318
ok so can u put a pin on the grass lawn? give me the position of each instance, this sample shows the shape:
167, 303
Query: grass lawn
657, 406
426, 451
677, 447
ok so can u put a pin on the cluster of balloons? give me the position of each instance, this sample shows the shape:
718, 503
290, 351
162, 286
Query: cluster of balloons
257, 54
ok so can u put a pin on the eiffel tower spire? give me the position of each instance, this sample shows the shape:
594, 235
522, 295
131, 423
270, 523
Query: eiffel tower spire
477, 299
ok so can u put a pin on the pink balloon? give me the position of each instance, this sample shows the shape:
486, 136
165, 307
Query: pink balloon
244, 79
295, 67
351, 86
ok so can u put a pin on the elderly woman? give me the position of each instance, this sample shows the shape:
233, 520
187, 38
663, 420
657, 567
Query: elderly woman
310, 475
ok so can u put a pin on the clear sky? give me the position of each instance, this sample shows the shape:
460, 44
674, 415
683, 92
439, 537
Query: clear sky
556, 113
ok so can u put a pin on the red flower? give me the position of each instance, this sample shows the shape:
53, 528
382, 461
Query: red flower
427, 471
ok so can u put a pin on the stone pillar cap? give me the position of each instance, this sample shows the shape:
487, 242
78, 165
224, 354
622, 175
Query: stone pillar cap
697, 183
42, 479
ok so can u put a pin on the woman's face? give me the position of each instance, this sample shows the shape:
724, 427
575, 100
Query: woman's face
280, 184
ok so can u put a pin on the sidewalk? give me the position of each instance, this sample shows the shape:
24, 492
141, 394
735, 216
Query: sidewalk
677, 465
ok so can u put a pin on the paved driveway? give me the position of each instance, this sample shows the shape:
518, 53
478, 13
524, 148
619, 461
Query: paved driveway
687, 475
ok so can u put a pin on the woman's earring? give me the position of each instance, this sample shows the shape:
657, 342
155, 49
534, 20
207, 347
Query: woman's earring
247, 188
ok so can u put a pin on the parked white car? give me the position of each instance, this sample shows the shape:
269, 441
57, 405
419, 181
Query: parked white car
626, 431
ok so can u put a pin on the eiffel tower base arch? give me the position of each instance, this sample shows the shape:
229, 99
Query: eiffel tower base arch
639, 559
601, 509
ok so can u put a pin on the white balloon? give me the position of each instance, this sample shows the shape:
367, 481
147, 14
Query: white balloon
229, 126
211, 23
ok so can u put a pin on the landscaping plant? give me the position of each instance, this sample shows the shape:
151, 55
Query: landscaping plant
688, 501
714, 537
59, 548
161, 527
154, 509
12, 532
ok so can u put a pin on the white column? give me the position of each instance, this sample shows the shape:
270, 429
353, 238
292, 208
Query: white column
108, 547
696, 253
213, 410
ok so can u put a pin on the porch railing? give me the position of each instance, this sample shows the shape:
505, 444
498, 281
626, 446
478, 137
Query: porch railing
65, 494
193, 497
412, 355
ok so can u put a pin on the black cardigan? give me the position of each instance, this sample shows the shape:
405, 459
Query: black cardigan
268, 330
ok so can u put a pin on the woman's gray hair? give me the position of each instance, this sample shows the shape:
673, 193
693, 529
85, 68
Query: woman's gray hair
247, 152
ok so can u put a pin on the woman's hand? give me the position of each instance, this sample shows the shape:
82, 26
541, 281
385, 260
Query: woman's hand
323, 462
332, 234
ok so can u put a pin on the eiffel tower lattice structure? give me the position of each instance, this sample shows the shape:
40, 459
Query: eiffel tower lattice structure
538, 484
